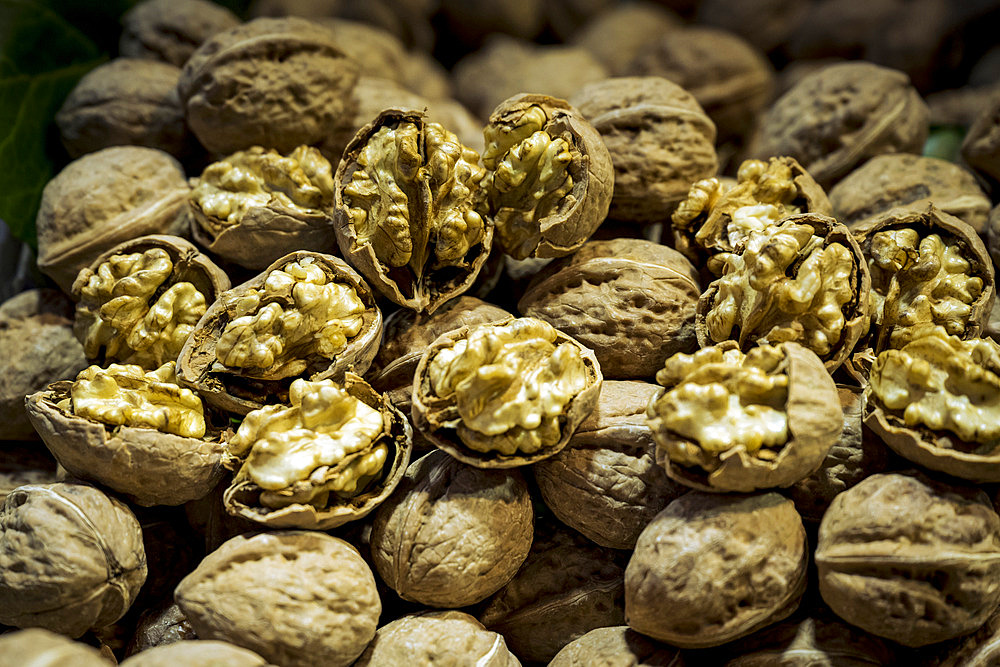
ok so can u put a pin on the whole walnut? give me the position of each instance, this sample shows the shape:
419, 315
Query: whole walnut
376, 51
40, 648
981, 147
128, 101
837, 117
618, 32
170, 30
660, 140
71, 558
910, 559
288, 71
103, 198
617, 646
196, 653
766, 24
471, 20
452, 535
839, 28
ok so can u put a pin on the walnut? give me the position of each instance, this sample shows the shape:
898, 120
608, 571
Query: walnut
660, 140
616, 646
288, 71
993, 235
471, 20
307, 314
170, 30
136, 432
803, 279
504, 394
26, 463
617, 33
981, 146
836, 118
910, 559
297, 598
452, 535
139, 301
839, 28
407, 210
104, 198
40, 648
766, 24
711, 568
160, 626
376, 51
196, 653
71, 558
631, 301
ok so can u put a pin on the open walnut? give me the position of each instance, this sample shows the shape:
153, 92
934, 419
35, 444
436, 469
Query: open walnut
549, 176
134, 431
331, 457
504, 394
139, 301
407, 207
927, 268
308, 314
257, 205
729, 421
802, 279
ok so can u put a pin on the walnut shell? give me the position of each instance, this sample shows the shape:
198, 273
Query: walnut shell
617, 646
288, 70
24, 464
159, 626
910, 559
766, 24
297, 598
711, 568
71, 558
981, 147
196, 653
617, 33
452, 535
241, 391
40, 648
170, 30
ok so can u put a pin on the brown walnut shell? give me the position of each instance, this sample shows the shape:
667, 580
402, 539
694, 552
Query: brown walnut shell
25, 463
617, 646
620, 30
36, 647
241, 391
910, 559
159, 626
196, 653
170, 30
981, 147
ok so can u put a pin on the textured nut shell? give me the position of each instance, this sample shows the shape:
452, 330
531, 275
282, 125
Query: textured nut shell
170, 30
104, 198
287, 70
910, 559
452, 535
444, 438
71, 558
196, 653
981, 147
631, 301
149, 467
767, 24
194, 365
616, 646
437, 639
160, 626
297, 598
711, 568
978, 649
606, 483
615, 34
40, 648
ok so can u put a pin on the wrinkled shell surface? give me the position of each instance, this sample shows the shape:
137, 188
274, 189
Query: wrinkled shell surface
196, 653
615, 34
170, 30
981, 147
616, 646
41, 648
160, 626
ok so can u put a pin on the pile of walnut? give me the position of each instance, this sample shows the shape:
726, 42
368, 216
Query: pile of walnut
562, 357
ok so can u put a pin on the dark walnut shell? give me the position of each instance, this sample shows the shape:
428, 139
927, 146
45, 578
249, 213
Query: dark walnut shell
631, 301
660, 140
407, 196
978, 649
25, 463
439, 421
243, 497
242, 390
41, 648
196, 653
606, 483
288, 71
170, 30
981, 147
297, 598
617, 646
554, 219
910, 559
616, 33
452, 535
711, 568
837, 117
159, 626
71, 558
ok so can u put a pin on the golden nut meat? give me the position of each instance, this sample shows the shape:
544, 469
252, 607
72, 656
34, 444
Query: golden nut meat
504, 394
409, 212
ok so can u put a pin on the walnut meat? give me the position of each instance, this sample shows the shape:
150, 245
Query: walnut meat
452, 535
504, 394
408, 196
307, 314
549, 177
288, 71
616, 646
40, 648
297, 598
910, 559
257, 205
170, 30
711, 568
71, 558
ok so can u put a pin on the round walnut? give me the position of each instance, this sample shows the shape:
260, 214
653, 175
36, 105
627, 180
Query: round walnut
288, 71
766, 24
618, 32
408, 200
549, 176
196, 653
837, 117
104, 198
308, 314
616, 646
452, 535
71, 558
659, 138
170, 30
981, 147
910, 559
711, 568
376, 51
505, 394
437, 639
41, 648
631, 301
